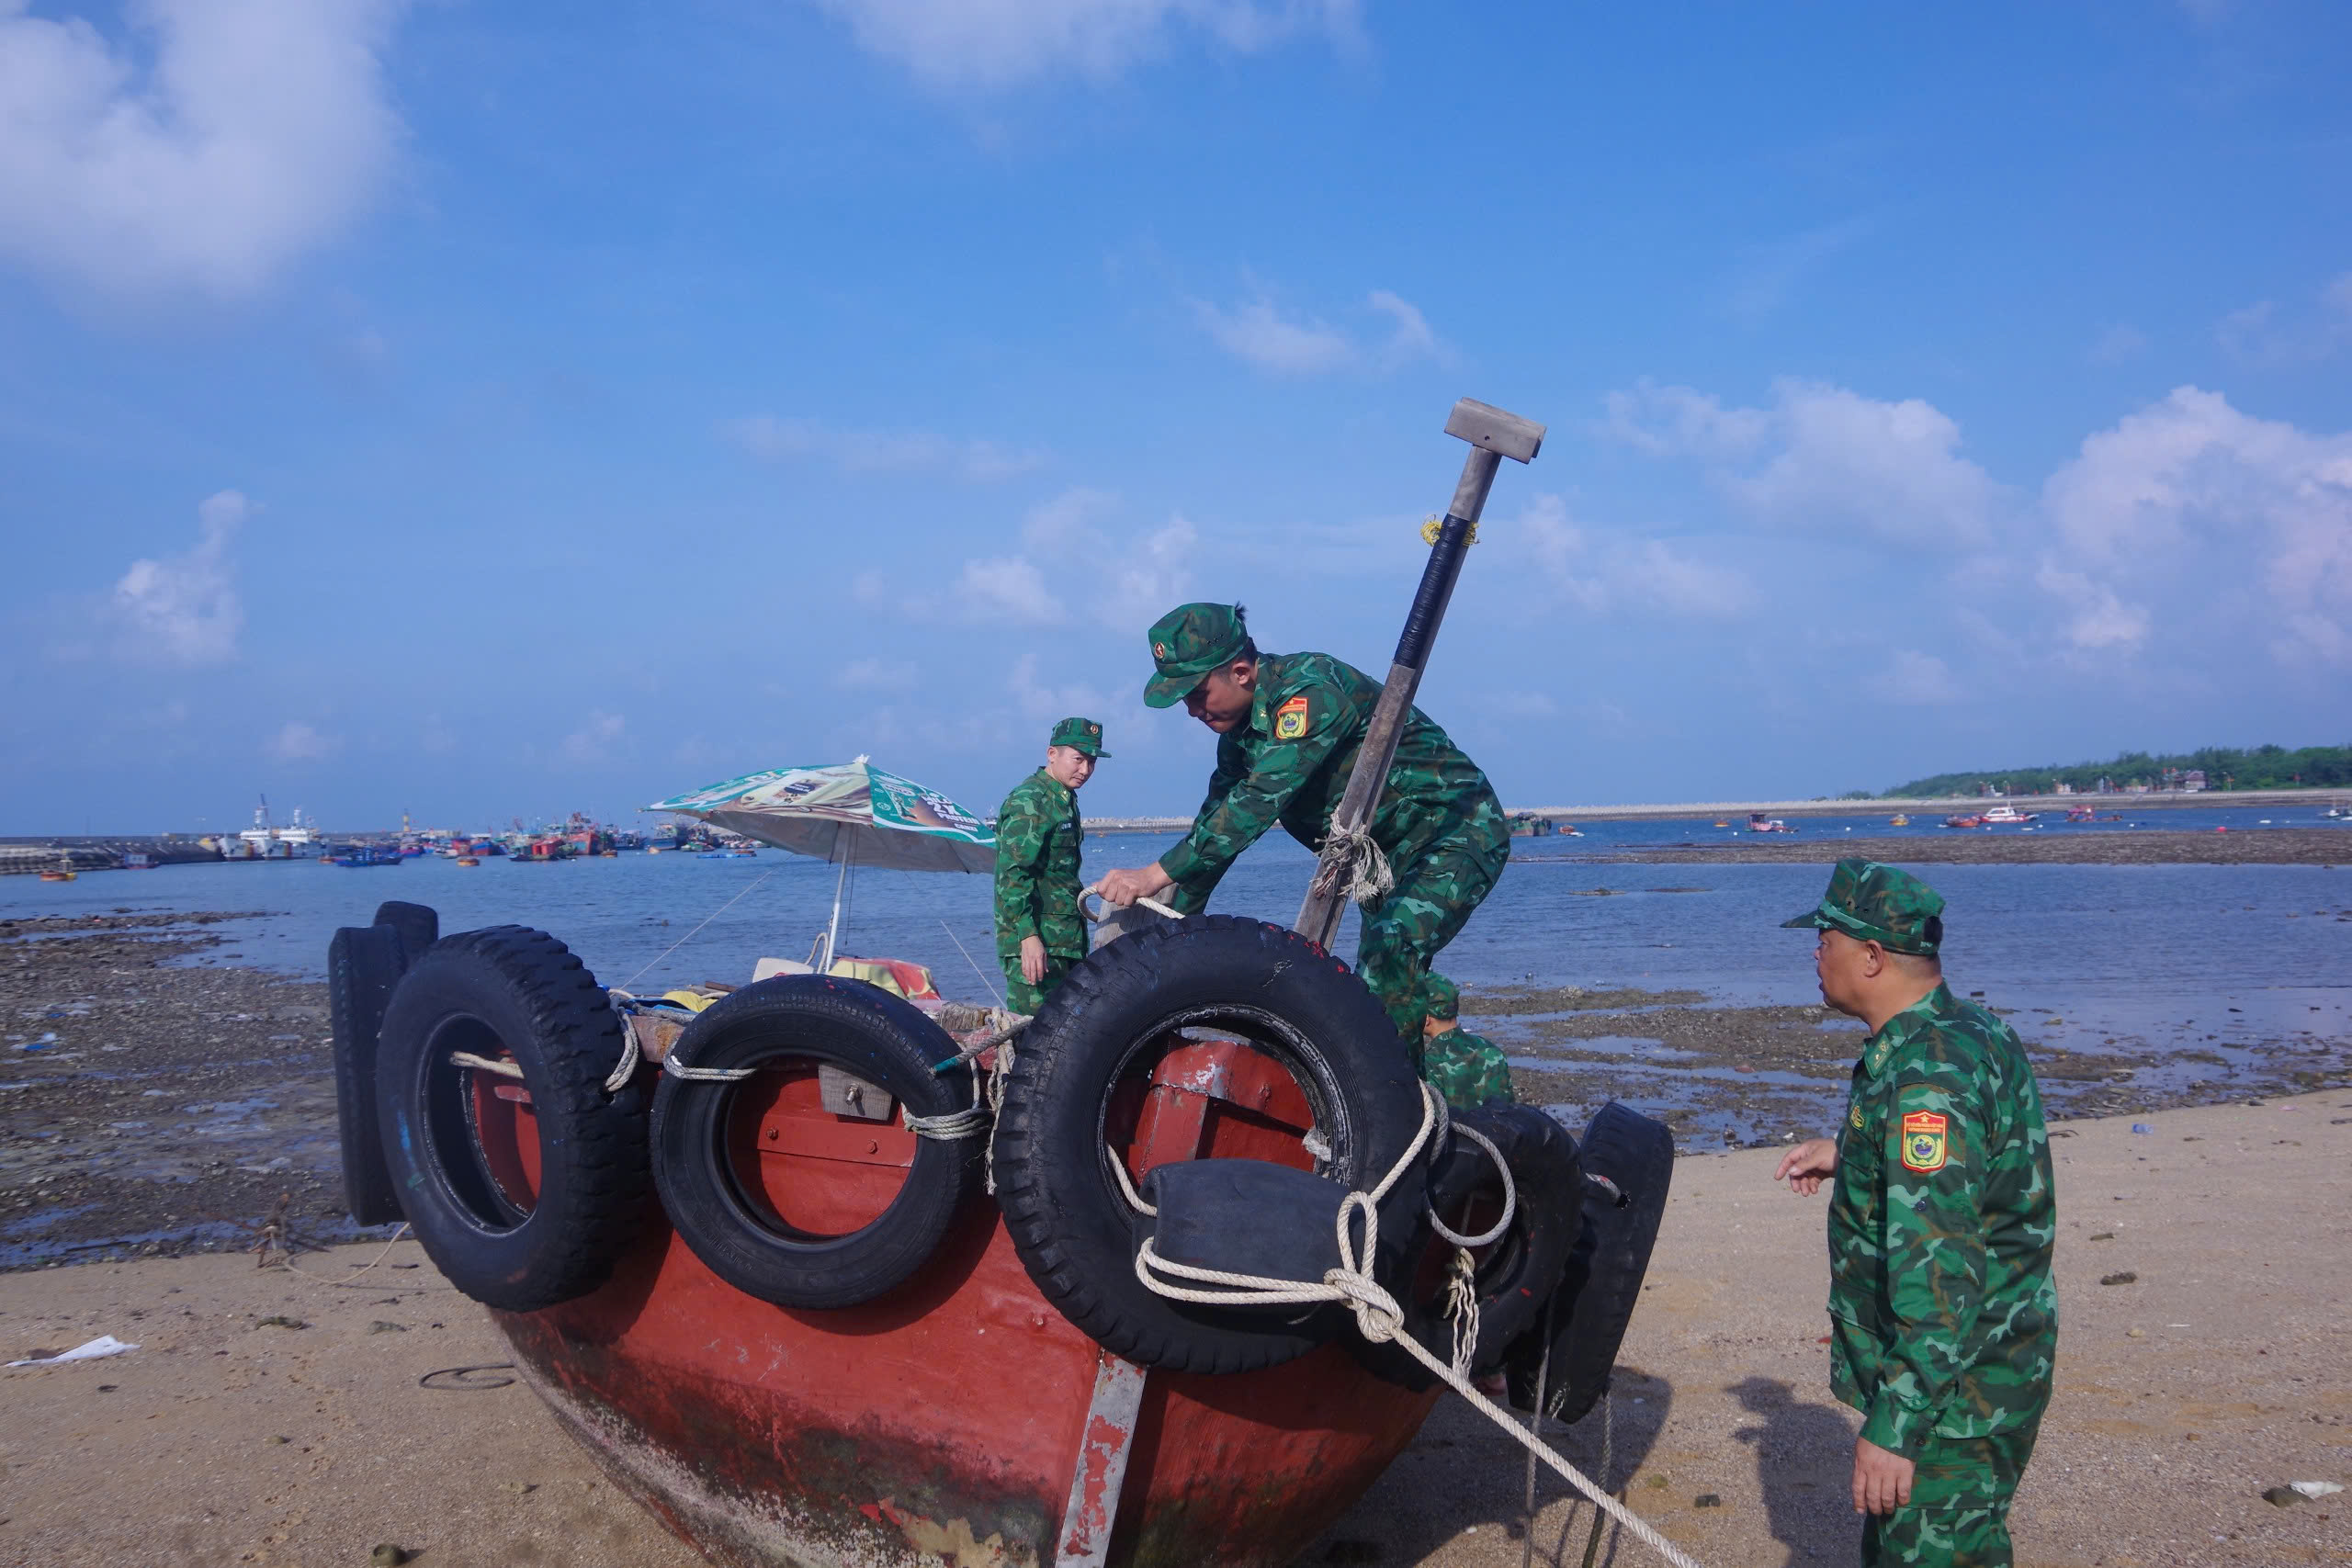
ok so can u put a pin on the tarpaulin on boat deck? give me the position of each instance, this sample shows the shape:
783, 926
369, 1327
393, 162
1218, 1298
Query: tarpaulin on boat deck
851, 810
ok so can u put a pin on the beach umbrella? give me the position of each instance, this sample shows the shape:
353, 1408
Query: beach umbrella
849, 814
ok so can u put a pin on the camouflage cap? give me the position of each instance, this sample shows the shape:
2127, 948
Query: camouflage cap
1082, 733
1187, 643
1439, 998
1870, 902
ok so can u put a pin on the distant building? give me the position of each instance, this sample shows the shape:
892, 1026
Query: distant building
2193, 779
2062, 787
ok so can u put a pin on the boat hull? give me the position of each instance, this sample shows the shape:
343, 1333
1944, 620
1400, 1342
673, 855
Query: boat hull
943, 1422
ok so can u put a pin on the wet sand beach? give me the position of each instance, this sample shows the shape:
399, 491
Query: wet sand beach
273, 1419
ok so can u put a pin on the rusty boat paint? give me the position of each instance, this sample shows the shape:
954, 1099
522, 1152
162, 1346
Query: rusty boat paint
960, 1418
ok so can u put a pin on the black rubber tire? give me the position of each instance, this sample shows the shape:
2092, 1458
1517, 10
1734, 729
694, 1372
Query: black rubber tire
363, 965
1603, 1281
874, 1035
1517, 1274
521, 991
1063, 1207
419, 925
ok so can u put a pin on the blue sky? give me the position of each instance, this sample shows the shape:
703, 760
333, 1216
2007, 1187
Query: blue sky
492, 410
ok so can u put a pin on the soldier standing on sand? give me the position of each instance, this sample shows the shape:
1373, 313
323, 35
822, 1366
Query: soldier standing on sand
1943, 1319
1288, 729
1038, 835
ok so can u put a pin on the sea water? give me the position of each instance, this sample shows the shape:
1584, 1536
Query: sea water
2160, 952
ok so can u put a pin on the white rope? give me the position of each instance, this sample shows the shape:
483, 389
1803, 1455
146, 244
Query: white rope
677, 1069
1462, 1306
485, 1065
1380, 1319
997, 1075
1510, 1197
1154, 905
949, 1126
618, 1078
1353, 853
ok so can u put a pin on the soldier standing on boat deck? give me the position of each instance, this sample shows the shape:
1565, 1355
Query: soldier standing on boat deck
1943, 1317
1038, 836
1288, 726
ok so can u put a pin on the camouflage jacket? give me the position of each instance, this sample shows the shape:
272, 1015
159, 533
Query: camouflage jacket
1944, 1315
1290, 761
1038, 836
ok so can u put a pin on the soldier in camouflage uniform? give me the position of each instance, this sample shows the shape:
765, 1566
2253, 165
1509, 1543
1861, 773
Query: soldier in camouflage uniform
1943, 1317
1469, 1070
1038, 835
1289, 726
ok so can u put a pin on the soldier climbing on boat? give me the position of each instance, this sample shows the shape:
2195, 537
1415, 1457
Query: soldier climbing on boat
1289, 727
1039, 934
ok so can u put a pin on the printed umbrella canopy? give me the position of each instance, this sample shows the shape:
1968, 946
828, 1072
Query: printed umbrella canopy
850, 813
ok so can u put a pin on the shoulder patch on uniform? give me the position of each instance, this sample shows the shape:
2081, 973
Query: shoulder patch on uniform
1923, 1140
1854, 1113
1290, 719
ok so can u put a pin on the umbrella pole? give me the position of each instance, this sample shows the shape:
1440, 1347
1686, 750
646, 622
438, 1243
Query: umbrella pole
834, 931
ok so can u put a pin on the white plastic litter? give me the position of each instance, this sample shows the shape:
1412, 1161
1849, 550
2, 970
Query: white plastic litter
2316, 1489
104, 1345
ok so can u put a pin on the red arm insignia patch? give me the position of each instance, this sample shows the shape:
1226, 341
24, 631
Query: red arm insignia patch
1923, 1141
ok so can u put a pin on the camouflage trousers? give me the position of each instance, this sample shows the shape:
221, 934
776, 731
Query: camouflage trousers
1959, 1512
1468, 1068
1440, 877
1019, 996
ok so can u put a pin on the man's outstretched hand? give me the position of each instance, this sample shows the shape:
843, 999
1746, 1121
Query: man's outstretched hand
1804, 1166
1123, 887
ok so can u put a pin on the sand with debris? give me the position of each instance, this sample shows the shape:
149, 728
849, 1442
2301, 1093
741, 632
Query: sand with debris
271, 1417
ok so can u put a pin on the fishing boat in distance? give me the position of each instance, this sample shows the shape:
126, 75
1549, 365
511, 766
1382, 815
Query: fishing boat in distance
1898, 821
2082, 814
1759, 823
2007, 815
1964, 819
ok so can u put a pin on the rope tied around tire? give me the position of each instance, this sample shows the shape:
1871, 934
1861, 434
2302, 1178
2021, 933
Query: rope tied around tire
1378, 1316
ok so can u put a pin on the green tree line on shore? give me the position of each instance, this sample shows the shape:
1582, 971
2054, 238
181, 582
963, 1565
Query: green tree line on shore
2224, 767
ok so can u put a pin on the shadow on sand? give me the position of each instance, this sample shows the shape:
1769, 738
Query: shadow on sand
1461, 1475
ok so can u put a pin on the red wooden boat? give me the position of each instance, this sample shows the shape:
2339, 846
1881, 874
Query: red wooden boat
954, 1413
962, 1418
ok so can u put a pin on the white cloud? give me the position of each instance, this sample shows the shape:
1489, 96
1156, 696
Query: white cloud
183, 609
1000, 43
1259, 333
1598, 572
1916, 680
1767, 273
1038, 701
1009, 588
253, 132
1146, 579
879, 452
2263, 337
876, 675
299, 742
1824, 459
2215, 515
596, 740
1067, 521
2119, 343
